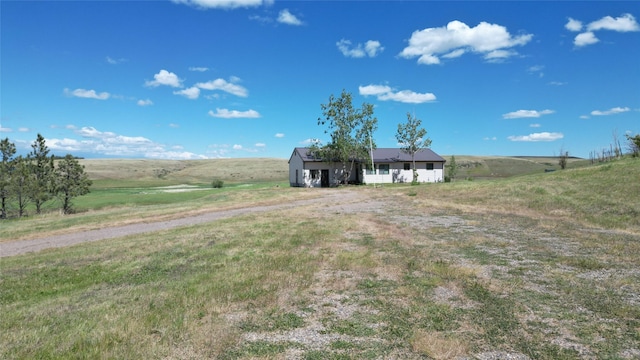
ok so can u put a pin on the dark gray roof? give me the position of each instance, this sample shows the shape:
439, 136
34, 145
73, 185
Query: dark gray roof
384, 155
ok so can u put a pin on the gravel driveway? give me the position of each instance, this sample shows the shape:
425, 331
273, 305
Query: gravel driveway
329, 198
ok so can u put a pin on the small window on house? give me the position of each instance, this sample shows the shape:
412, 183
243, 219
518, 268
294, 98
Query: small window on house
384, 169
370, 170
429, 166
315, 174
407, 166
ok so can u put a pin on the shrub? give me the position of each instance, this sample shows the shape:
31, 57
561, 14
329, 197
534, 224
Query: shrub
217, 183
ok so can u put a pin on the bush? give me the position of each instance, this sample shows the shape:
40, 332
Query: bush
217, 183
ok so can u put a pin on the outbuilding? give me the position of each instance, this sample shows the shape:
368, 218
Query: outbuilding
390, 165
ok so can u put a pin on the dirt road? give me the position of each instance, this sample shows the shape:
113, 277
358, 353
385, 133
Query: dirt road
343, 199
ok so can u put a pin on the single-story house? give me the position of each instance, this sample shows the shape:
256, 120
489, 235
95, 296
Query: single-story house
390, 165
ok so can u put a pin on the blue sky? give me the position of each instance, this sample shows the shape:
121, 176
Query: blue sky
192, 79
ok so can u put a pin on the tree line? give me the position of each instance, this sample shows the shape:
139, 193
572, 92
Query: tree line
37, 178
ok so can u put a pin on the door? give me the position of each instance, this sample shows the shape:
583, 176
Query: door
324, 178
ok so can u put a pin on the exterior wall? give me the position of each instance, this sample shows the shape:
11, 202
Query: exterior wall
296, 170
300, 173
397, 174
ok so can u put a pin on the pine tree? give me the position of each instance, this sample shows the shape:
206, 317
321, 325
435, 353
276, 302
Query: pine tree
7, 151
21, 183
453, 168
42, 172
70, 181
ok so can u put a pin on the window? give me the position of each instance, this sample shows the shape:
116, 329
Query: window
429, 166
384, 169
370, 170
315, 174
407, 166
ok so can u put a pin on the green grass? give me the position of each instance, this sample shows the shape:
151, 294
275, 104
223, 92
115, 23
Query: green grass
543, 265
119, 206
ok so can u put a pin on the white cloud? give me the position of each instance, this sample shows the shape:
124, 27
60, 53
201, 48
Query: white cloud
279, 135
526, 114
66, 144
5, 129
371, 48
190, 93
557, 83
173, 155
286, 17
490, 138
454, 54
584, 39
146, 102
310, 141
221, 84
573, 25
491, 40
222, 4
237, 147
23, 129
87, 94
536, 70
261, 19
612, 111
535, 137
260, 145
113, 61
234, 114
198, 68
165, 77
534, 125
385, 93
108, 143
624, 23
499, 55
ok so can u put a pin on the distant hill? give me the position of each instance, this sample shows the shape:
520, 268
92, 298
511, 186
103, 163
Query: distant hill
131, 172
127, 172
487, 167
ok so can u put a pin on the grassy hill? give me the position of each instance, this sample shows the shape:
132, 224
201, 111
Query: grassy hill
488, 167
130, 172
126, 172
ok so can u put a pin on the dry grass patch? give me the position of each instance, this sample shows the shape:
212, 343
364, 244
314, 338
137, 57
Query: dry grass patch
438, 346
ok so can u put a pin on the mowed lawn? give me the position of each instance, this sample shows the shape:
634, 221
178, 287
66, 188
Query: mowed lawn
542, 266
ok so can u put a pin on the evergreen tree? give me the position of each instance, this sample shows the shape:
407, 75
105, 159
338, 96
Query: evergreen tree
453, 168
70, 181
7, 151
42, 172
633, 143
21, 183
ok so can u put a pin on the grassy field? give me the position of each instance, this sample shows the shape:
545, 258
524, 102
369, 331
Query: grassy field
491, 167
542, 266
128, 173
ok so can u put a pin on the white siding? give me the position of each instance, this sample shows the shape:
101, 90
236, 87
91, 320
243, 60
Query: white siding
296, 170
300, 173
397, 174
